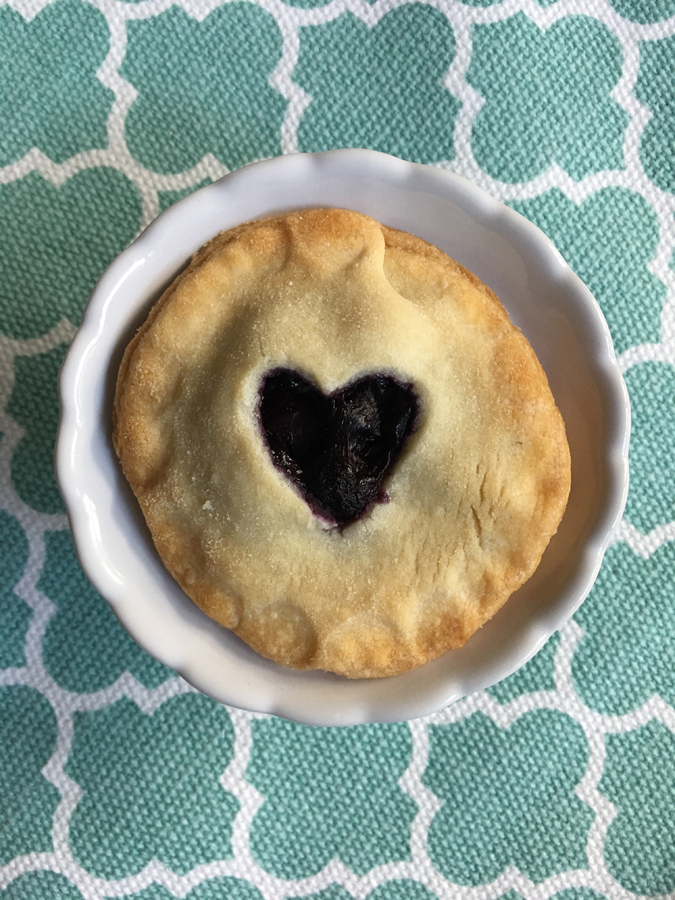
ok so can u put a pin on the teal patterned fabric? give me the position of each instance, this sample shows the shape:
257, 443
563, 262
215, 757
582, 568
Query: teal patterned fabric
34, 405
534, 80
152, 780
609, 239
103, 211
117, 779
474, 836
64, 46
203, 87
318, 785
347, 67
15, 614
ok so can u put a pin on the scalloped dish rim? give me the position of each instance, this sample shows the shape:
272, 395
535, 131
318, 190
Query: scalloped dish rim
114, 548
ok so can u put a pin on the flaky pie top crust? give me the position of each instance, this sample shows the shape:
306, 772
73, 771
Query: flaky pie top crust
473, 502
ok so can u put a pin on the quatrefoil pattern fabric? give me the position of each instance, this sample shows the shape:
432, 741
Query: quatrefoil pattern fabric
117, 779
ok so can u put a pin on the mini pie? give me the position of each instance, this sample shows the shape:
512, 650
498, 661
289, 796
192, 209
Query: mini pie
344, 450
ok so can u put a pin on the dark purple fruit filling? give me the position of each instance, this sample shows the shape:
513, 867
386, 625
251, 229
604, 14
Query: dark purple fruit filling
337, 449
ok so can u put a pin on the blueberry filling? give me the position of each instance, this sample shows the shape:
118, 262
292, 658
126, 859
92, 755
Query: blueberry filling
337, 449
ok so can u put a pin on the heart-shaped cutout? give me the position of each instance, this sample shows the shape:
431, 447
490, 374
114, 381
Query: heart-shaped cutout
338, 448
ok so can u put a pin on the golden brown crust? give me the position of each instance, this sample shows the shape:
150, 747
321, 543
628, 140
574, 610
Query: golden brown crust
475, 498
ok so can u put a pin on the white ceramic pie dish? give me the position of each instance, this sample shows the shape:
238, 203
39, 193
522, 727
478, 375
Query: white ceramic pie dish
545, 299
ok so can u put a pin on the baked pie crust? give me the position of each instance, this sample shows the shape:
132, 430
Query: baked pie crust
473, 500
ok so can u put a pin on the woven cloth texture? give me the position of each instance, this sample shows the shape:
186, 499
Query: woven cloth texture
117, 779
